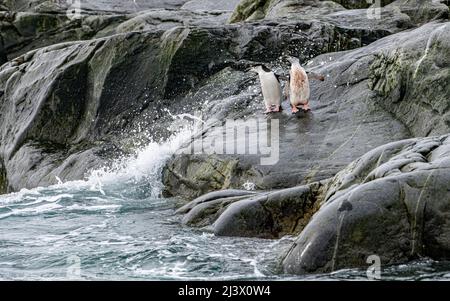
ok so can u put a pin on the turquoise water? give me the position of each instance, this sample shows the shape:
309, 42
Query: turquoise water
114, 226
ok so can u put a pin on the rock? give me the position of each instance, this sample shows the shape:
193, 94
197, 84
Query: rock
351, 115
421, 11
295, 9
210, 5
26, 31
203, 215
3, 179
392, 202
269, 215
221, 194
3, 57
94, 111
254, 214
390, 21
93, 6
166, 19
50, 131
401, 11
356, 4
249, 10
401, 79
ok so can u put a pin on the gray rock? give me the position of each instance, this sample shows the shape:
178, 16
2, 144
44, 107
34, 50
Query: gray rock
26, 31
221, 194
205, 214
254, 214
418, 12
421, 11
269, 215
3, 56
3, 179
208, 48
210, 5
95, 6
356, 4
57, 104
350, 116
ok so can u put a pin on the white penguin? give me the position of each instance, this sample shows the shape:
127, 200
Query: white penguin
271, 88
299, 91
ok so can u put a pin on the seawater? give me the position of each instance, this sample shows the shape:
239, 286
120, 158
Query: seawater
114, 225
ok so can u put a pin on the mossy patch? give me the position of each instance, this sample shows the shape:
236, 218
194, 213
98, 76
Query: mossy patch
386, 73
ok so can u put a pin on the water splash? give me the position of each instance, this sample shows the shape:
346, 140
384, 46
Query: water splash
143, 168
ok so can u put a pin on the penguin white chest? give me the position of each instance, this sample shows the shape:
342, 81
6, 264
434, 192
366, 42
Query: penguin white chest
271, 89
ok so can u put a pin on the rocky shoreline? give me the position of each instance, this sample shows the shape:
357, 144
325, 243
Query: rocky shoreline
366, 173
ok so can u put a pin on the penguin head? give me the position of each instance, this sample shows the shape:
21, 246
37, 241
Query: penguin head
293, 60
256, 69
260, 68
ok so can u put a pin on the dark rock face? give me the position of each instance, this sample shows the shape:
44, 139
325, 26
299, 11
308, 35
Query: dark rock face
347, 106
3, 57
417, 11
210, 5
421, 11
3, 179
402, 79
95, 6
355, 4
94, 105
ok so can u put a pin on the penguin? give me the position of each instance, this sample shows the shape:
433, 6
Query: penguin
271, 88
297, 87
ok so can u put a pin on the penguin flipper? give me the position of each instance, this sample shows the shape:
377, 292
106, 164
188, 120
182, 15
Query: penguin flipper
287, 87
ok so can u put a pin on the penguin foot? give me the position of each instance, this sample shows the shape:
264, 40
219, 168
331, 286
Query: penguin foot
294, 110
306, 107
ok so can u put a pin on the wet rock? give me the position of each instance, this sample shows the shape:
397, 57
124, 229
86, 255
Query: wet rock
421, 11
94, 6
26, 31
358, 107
221, 194
401, 79
3, 56
203, 215
269, 215
392, 202
57, 104
210, 5
94, 111
356, 4
3, 179
253, 214
400, 11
